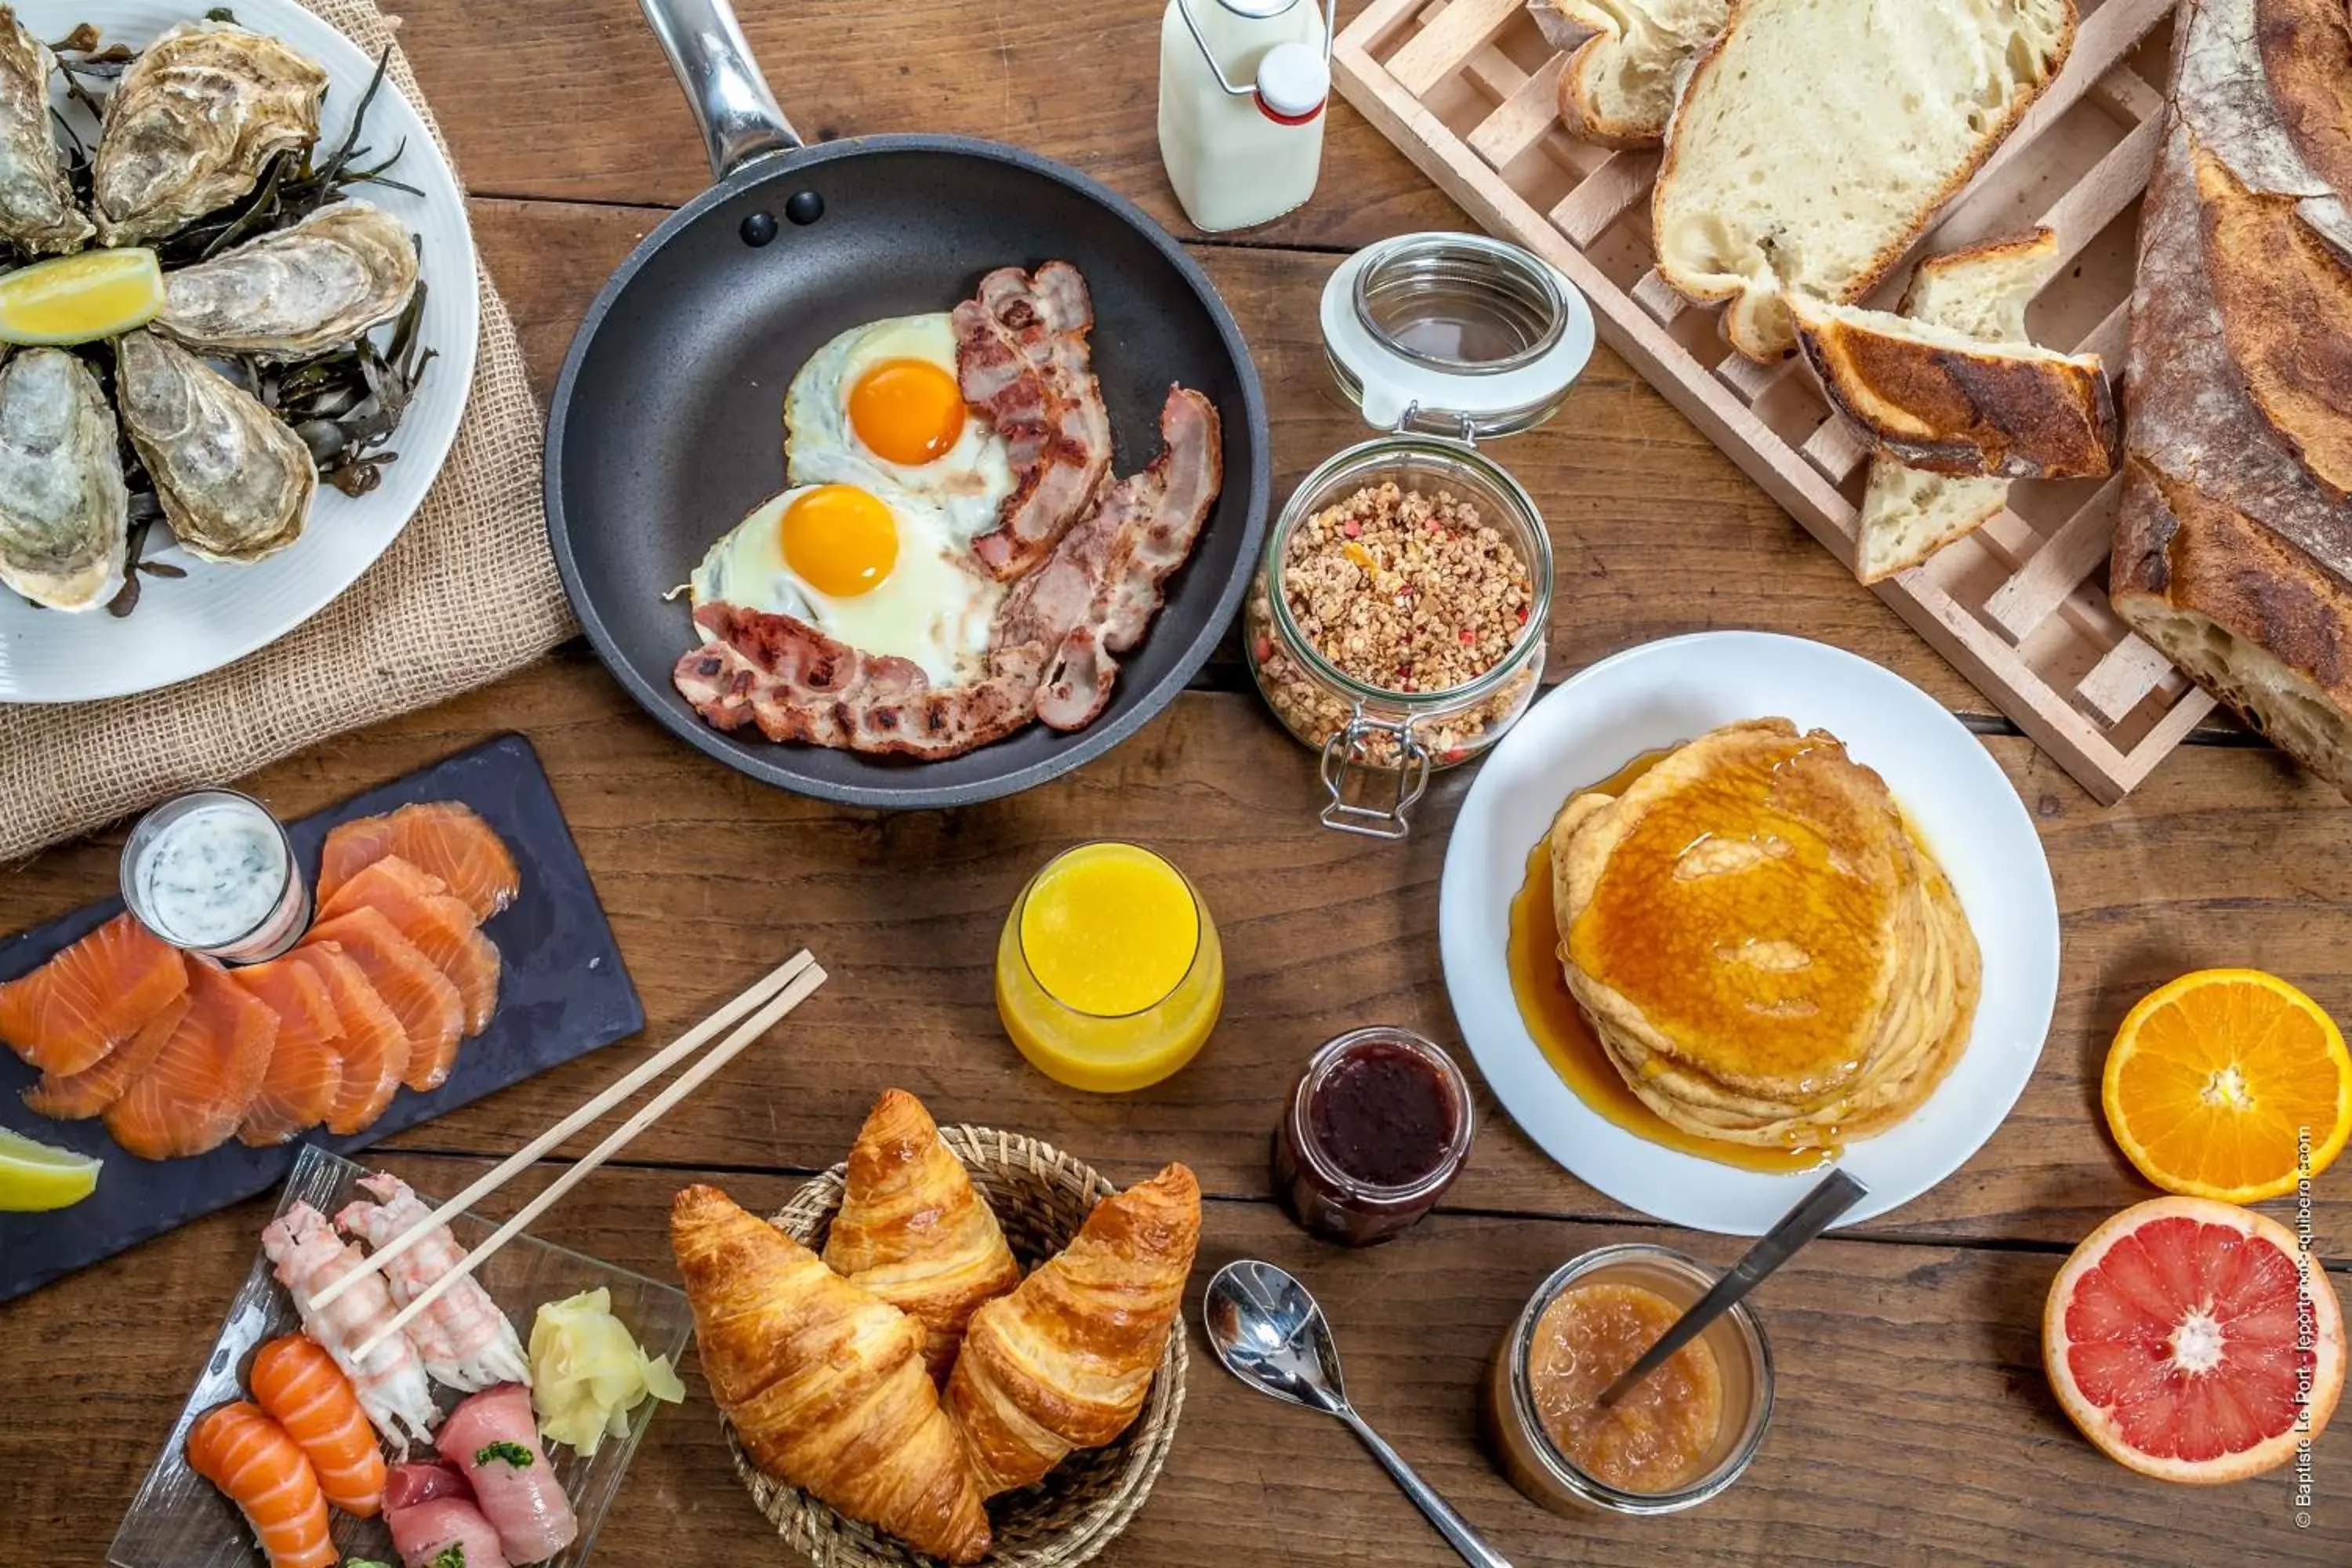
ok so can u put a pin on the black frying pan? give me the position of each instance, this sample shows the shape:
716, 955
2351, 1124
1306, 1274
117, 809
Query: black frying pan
668, 420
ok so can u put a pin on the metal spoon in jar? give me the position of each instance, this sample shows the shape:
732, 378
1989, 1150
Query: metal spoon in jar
1816, 1213
1270, 1333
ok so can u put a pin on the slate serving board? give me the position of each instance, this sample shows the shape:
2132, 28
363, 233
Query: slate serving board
562, 993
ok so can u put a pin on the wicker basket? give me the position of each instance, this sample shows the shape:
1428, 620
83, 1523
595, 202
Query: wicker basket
1041, 1197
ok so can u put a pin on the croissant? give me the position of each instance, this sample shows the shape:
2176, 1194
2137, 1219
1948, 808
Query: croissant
825, 1384
1065, 1360
912, 1230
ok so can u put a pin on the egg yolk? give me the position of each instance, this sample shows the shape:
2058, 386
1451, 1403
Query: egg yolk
840, 540
909, 411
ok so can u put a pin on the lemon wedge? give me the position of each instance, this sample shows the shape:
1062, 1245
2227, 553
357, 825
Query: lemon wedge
35, 1176
82, 298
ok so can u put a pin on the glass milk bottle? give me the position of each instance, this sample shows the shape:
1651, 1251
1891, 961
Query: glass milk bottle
1242, 88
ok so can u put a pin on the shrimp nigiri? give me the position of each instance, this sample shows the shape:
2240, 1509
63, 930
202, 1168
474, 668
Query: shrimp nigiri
463, 1339
306, 1393
251, 1458
390, 1383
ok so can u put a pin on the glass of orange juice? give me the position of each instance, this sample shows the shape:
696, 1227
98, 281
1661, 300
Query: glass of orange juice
1108, 972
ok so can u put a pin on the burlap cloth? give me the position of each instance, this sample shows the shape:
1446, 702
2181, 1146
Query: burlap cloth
467, 594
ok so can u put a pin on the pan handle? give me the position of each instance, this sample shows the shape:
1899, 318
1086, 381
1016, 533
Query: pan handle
732, 102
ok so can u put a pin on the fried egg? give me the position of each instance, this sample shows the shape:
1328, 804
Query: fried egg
879, 407
884, 576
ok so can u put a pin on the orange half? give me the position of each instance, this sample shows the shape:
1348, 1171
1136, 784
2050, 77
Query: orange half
2229, 1084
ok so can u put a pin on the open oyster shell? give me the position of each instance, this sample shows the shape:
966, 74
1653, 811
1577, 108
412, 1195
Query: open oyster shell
195, 118
235, 483
36, 202
298, 293
64, 513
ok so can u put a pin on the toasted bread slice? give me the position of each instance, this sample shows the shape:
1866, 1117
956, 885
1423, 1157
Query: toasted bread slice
1816, 139
1907, 513
1951, 404
1625, 59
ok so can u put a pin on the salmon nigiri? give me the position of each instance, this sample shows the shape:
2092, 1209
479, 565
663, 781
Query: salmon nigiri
196, 1092
249, 1457
374, 1046
305, 1071
307, 1393
444, 838
67, 1013
442, 928
92, 1090
420, 995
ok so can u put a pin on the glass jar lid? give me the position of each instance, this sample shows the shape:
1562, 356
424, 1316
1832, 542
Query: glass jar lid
1456, 333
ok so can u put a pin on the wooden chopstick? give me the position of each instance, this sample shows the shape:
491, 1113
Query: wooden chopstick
668, 1057
687, 1082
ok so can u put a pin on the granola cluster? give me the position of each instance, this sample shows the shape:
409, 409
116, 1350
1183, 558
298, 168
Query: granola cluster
1408, 593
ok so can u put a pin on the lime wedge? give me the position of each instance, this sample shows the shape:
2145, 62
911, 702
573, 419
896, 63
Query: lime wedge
42, 1176
80, 298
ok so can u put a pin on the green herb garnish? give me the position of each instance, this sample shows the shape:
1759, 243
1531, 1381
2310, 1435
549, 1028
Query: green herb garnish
452, 1556
514, 1454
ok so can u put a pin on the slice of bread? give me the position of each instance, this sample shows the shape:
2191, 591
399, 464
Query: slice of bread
1816, 139
1625, 59
1950, 404
1907, 513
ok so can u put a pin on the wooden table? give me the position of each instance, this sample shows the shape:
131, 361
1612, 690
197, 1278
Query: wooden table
1914, 1424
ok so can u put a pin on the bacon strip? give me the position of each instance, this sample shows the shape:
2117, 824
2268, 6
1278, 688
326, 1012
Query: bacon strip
1023, 365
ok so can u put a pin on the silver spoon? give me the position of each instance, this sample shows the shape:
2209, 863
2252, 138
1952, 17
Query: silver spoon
1270, 1333
1816, 1213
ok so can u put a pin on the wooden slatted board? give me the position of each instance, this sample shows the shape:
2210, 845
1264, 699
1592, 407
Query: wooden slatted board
1467, 90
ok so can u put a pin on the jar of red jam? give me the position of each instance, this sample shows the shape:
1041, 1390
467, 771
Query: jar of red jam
1376, 1130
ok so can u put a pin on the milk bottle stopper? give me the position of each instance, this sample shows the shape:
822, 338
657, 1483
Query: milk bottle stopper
1293, 81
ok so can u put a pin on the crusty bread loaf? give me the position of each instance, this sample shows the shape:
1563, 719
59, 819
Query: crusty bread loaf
2233, 534
1983, 289
1624, 60
1815, 139
1952, 404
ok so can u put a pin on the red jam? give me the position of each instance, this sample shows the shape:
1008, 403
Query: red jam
1376, 1130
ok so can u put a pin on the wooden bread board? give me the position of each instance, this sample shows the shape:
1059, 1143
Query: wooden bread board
1467, 90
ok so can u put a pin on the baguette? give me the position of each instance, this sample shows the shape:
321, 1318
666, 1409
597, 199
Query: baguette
2233, 533
1815, 139
1624, 60
1907, 513
1943, 400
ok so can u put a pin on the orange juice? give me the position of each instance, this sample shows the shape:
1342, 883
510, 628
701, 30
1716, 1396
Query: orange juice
1108, 972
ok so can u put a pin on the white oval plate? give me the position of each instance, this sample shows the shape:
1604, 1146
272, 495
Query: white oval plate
1666, 692
184, 627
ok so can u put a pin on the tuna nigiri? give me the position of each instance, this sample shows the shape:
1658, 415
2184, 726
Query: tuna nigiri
306, 1393
493, 1439
374, 1046
249, 1457
431, 1509
443, 929
194, 1093
305, 1071
446, 838
390, 1383
67, 1013
419, 994
463, 1339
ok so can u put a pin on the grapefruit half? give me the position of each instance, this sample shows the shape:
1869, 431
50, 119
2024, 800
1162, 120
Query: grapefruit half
2186, 1339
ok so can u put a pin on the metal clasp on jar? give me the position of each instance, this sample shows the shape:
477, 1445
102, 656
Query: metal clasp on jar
1344, 752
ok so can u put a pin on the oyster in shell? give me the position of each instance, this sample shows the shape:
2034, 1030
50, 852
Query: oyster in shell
64, 513
235, 483
195, 118
298, 293
36, 202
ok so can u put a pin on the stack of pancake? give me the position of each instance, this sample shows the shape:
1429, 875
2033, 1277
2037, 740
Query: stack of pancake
1766, 951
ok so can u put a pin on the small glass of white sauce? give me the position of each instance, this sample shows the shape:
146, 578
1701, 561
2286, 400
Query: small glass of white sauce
213, 871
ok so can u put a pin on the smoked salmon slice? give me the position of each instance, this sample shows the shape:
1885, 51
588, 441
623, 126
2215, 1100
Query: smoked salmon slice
305, 1069
374, 1046
442, 928
419, 994
72, 1010
443, 839
192, 1097
92, 1089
